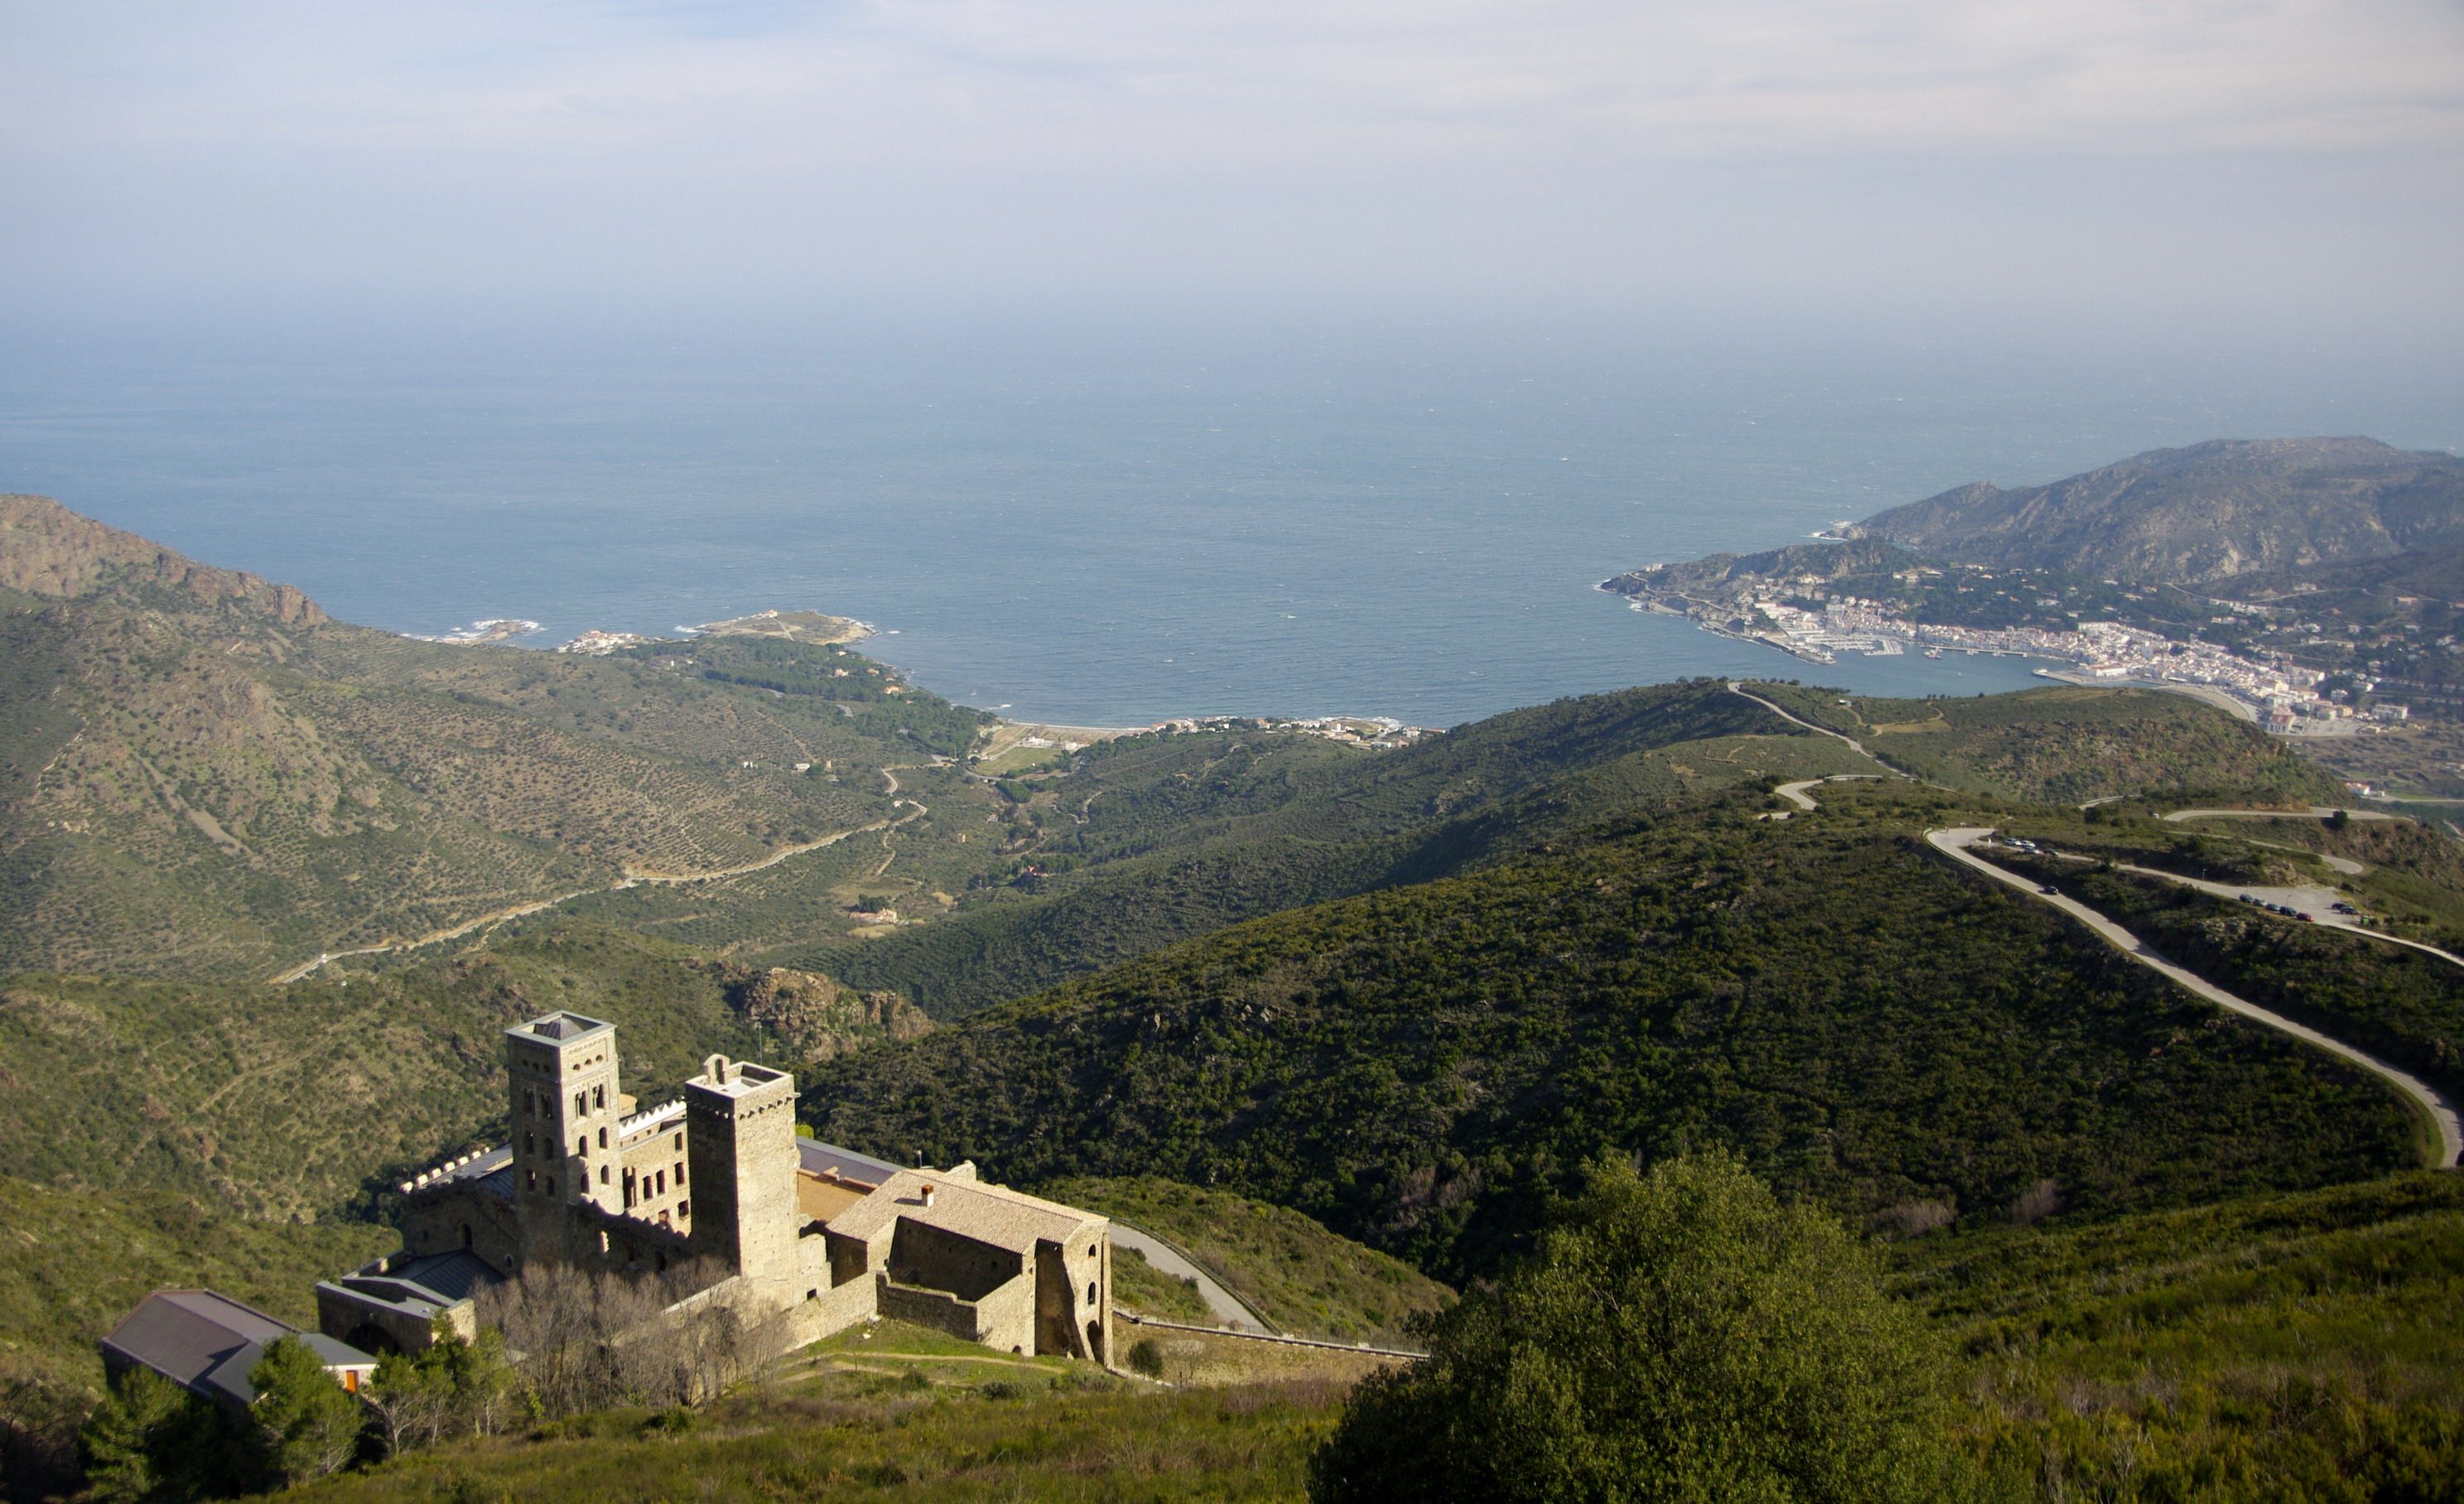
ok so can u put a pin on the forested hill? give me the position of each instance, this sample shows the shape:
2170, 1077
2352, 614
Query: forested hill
1422, 1068
1157, 839
2204, 515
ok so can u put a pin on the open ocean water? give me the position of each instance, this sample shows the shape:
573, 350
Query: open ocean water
1113, 532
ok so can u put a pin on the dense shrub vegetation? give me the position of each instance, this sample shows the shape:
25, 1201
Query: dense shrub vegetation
1423, 1068
1674, 1336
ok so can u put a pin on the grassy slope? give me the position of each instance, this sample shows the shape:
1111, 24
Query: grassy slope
900, 1416
73, 1263
2298, 1346
1307, 1281
1186, 835
2069, 745
1419, 1068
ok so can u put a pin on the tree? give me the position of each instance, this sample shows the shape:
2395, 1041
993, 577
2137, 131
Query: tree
454, 1387
310, 1425
1680, 1335
121, 1437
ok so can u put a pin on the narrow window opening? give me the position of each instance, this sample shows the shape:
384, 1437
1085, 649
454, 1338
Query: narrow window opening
680, 1172
598, 1097
603, 1137
602, 1175
580, 1107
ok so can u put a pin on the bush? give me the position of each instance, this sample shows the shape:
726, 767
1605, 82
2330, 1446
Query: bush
1146, 1356
1682, 1336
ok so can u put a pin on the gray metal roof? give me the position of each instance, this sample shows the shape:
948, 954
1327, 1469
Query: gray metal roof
208, 1342
828, 1159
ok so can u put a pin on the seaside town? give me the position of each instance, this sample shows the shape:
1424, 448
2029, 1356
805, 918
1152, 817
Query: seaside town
2284, 696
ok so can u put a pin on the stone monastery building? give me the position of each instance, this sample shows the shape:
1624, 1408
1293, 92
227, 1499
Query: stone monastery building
796, 1231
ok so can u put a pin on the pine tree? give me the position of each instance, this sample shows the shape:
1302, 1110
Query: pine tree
311, 1427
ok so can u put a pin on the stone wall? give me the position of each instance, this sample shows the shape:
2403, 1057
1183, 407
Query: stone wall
434, 1221
923, 1254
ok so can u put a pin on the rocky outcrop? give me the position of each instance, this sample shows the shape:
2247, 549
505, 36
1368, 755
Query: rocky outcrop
814, 1015
47, 549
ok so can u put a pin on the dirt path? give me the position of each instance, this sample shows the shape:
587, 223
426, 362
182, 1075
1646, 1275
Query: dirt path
1954, 842
632, 877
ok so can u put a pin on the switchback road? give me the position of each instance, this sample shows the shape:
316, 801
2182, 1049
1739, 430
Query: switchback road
1954, 842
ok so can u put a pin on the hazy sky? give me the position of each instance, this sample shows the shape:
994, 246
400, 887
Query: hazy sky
2276, 160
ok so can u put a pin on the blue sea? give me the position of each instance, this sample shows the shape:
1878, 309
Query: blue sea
1108, 530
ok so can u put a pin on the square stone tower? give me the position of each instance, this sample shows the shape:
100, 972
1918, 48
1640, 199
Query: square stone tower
561, 1080
740, 1146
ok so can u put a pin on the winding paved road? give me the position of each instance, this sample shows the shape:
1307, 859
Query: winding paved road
2314, 812
1739, 689
1228, 1307
1954, 842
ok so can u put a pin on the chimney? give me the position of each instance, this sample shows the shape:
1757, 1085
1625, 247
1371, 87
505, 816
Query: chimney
928, 1197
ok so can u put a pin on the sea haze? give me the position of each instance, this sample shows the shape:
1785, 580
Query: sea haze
1113, 531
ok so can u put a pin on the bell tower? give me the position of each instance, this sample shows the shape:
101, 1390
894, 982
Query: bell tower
562, 1109
741, 1142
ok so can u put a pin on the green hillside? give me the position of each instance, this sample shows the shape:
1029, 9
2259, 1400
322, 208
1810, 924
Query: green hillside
202, 775
2068, 745
1420, 1068
2280, 1347
1287, 1266
1158, 839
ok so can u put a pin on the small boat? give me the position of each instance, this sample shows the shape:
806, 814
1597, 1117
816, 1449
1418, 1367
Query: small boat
1933, 653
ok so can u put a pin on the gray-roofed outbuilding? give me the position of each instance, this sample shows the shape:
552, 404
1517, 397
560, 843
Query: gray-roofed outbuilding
208, 1344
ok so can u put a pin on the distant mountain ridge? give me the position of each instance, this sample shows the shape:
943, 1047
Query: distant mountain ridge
2203, 515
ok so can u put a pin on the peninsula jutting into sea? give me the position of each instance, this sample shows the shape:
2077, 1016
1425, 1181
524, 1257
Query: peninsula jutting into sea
2326, 600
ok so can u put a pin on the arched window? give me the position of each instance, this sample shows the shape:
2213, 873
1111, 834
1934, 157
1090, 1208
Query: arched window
581, 1145
598, 1097
603, 1137
603, 1180
580, 1105
1090, 1292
